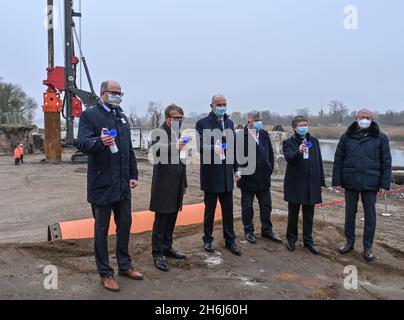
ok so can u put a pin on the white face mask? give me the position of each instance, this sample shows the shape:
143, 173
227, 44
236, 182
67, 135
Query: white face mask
114, 100
364, 123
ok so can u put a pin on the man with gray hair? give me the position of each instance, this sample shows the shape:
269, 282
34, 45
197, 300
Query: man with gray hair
104, 135
362, 166
255, 177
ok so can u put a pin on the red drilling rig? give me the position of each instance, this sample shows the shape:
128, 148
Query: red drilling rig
62, 81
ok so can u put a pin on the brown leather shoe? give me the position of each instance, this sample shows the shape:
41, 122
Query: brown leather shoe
131, 274
110, 284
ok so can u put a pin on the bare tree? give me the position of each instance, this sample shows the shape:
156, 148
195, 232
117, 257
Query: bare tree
237, 118
303, 112
155, 113
338, 112
133, 117
13, 100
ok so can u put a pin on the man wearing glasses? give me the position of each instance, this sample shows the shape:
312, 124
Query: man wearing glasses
219, 169
169, 185
304, 180
112, 173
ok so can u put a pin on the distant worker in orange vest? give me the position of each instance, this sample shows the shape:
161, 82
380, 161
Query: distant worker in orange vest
17, 155
21, 148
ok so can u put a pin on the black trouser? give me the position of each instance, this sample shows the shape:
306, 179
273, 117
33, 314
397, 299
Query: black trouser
247, 210
293, 219
162, 236
226, 203
369, 199
22, 158
17, 161
123, 221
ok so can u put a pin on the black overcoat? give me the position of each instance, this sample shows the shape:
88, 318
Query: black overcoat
304, 177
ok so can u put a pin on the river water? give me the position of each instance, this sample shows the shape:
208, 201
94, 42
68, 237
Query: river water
328, 148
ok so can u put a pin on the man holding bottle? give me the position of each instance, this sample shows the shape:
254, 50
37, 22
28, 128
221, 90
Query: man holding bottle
169, 185
112, 173
218, 170
304, 179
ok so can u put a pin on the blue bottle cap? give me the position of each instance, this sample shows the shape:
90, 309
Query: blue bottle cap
308, 144
113, 133
186, 139
224, 146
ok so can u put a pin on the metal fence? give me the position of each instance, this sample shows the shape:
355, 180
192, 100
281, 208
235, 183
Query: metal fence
12, 118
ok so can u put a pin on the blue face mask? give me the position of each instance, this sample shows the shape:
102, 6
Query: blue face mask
257, 125
302, 131
176, 125
220, 111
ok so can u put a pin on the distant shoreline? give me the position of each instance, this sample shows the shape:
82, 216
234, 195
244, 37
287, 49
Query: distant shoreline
395, 134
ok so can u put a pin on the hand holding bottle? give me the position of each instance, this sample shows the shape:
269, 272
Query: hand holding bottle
182, 144
108, 139
219, 149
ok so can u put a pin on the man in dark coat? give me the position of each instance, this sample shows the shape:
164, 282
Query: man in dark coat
168, 186
362, 166
110, 178
304, 179
218, 170
256, 160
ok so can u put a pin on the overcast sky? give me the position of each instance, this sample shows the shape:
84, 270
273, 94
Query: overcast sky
276, 55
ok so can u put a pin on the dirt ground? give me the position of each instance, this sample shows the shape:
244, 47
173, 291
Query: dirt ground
35, 195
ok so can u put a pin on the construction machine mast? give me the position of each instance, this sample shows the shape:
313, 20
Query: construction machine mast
63, 80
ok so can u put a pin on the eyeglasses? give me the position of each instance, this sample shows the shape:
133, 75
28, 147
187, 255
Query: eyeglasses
178, 118
115, 93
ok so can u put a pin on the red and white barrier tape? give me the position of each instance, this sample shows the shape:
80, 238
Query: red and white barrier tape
327, 204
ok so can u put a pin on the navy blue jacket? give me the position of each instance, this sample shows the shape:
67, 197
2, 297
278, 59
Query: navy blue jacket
304, 177
264, 155
362, 160
216, 176
108, 174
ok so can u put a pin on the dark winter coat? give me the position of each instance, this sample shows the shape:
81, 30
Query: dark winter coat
169, 176
216, 176
108, 174
363, 160
304, 177
264, 161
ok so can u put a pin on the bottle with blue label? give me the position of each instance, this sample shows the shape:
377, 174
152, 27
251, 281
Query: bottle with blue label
309, 145
113, 133
183, 152
223, 146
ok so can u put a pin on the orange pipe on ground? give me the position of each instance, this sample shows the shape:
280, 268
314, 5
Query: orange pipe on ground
141, 221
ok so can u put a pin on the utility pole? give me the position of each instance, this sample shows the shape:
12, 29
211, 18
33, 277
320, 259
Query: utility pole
52, 102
